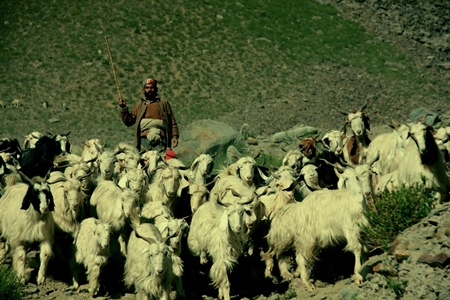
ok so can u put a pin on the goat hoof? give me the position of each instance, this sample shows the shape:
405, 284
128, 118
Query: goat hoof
357, 278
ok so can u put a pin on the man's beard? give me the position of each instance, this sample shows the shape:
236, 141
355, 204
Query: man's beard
150, 95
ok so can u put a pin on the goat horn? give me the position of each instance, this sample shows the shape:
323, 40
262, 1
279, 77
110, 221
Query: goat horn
236, 194
25, 177
48, 174
294, 184
35, 136
344, 163
336, 166
188, 179
61, 179
341, 111
148, 240
258, 154
374, 160
248, 201
213, 155
5, 150
81, 177
223, 204
275, 175
89, 161
365, 105
100, 150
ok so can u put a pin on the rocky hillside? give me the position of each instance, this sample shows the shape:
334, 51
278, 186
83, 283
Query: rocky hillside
419, 27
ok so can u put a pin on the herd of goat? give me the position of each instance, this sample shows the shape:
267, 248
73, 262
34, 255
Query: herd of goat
157, 210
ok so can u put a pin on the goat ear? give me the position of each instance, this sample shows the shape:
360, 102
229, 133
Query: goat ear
223, 224
27, 199
237, 171
51, 202
194, 165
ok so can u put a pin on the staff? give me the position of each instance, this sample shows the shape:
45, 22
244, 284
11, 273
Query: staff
112, 66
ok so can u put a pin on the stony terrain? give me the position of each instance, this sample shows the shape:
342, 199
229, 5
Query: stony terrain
421, 255
418, 29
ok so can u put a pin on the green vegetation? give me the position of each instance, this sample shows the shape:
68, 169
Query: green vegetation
393, 212
10, 287
209, 55
397, 285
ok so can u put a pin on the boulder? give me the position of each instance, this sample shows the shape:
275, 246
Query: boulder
429, 118
296, 133
205, 136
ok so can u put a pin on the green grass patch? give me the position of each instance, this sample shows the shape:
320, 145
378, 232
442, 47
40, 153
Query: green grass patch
393, 212
10, 286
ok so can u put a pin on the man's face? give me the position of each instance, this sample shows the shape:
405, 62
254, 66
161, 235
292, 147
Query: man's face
150, 91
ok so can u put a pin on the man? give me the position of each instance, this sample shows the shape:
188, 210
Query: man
155, 124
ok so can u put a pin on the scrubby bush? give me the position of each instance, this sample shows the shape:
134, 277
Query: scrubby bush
393, 212
10, 287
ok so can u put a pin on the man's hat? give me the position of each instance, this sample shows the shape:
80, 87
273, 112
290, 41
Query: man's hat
150, 81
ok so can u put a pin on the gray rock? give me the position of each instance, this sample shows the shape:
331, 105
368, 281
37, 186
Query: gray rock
296, 133
430, 118
205, 136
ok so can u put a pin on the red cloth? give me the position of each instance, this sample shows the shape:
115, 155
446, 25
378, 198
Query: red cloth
170, 154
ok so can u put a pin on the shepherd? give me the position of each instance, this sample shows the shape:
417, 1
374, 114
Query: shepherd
155, 124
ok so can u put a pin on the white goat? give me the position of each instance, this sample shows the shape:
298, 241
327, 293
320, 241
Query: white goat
69, 203
106, 162
216, 230
294, 159
357, 143
155, 211
92, 149
244, 169
165, 185
279, 193
333, 141
134, 179
230, 189
310, 180
127, 157
91, 249
15, 102
150, 160
423, 158
25, 217
31, 139
390, 147
200, 168
174, 230
149, 264
324, 217
117, 207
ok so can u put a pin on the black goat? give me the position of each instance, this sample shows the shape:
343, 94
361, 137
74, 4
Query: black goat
39, 160
327, 176
63, 140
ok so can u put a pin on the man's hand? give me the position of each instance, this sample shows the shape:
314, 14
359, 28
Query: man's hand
174, 141
122, 103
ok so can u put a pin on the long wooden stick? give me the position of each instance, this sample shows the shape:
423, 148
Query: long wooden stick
112, 66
